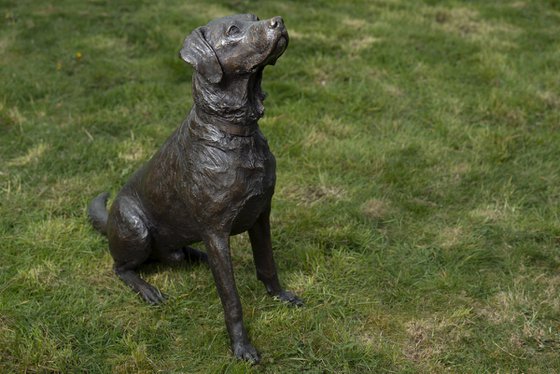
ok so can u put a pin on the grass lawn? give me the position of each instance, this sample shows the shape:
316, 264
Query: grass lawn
416, 210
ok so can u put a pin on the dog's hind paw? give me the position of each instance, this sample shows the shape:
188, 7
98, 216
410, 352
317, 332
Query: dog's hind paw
290, 298
152, 295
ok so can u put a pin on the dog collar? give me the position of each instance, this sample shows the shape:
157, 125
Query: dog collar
237, 130
231, 128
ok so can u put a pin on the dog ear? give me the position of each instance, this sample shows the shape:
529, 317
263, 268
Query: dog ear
197, 52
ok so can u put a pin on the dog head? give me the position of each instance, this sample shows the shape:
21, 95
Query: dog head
235, 46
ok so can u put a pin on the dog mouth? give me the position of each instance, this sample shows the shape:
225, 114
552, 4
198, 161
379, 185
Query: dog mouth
281, 44
278, 49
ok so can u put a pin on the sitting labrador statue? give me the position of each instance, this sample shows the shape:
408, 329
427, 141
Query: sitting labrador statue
213, 177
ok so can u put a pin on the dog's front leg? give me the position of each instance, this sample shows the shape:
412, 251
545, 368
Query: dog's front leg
261, 244
219, 259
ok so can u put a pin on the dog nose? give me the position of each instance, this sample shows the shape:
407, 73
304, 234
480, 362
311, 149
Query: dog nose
276, 22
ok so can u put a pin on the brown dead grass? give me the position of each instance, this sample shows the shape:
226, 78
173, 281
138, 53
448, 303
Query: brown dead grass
517, 306
33, 155
469, 24
450, 237
376, 209
132, 150
429, 338
312, 195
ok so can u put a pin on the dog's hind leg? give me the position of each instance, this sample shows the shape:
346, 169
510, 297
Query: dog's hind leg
182, 255
148, 292
130, 246
194, 255
219, 258
261, 244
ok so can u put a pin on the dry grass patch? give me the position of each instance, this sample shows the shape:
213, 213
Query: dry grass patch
132, 150
315, 137
467, 23
42, 276
355, 23
312, 195
357, 45
328, 130
376, 209
501, 308
207, 10
495, 212
450, 237
430, 338
15, 116
519, 303
551, 99
393, 90
53, 231
32, 156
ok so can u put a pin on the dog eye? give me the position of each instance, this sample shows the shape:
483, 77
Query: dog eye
232, 30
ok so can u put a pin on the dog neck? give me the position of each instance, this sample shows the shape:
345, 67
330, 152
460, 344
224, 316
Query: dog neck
236, 101
227, 127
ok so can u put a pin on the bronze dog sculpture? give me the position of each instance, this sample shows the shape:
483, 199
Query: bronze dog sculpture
213, 177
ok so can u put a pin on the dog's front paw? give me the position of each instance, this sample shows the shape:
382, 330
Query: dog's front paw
246, 352
289, 297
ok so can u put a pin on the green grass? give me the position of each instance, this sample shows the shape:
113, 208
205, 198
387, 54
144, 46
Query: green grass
417, 205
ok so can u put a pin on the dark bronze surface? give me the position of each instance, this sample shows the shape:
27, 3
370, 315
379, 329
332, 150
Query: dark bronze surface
213, 177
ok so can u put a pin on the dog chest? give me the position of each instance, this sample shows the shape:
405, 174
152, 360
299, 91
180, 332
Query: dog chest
229, 175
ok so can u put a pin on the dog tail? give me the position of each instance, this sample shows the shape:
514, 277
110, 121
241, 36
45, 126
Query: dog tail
97, 212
